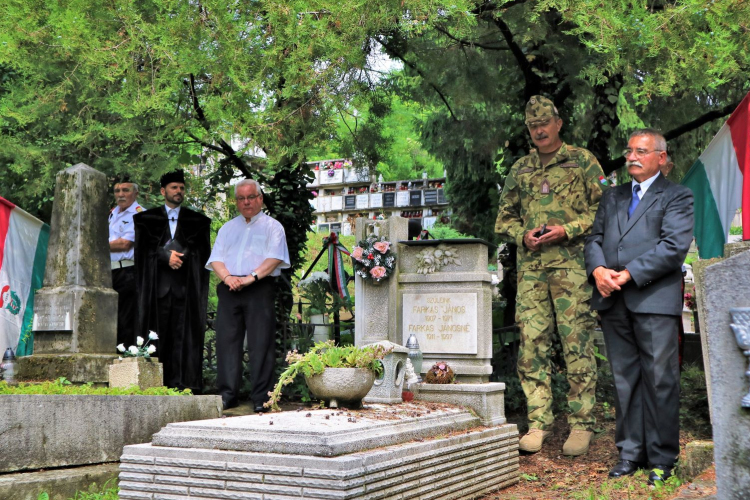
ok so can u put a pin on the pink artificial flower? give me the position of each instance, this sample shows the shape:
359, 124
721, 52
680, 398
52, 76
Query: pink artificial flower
382, 246
357, 252
377, 272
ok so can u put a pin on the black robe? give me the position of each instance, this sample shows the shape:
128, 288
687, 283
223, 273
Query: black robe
180, 344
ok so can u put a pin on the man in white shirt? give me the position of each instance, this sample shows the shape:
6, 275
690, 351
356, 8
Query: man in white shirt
249, 252
121, 240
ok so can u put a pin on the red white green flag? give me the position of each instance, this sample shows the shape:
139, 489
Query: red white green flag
23, 256
720, 182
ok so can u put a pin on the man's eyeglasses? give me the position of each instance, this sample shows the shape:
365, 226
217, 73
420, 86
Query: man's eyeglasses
241, 199
639, 152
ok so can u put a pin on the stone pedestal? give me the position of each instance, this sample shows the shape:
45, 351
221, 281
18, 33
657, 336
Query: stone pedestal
143, 372
388, 388
449, 310
486, 400
722, 286
76, 310
376, 303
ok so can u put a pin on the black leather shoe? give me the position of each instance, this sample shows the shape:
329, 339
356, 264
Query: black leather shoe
623, 468
664, 473
226, 405
260, 409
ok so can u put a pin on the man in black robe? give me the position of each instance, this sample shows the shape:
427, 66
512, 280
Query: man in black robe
172, 244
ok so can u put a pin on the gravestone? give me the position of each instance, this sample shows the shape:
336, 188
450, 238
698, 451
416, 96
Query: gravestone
723, 292
75, 313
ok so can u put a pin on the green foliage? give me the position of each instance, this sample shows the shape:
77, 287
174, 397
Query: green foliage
446, 232
326, 355
107, 492
735, 230
695, 417
64, 387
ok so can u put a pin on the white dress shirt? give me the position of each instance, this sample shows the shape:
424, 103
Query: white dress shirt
121, 226
644, 185
172, 215
243, 246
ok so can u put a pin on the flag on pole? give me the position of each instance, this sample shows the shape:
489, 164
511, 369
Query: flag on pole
720, 182
23, 256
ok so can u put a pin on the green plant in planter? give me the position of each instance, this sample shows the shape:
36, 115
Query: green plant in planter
326, 355
315, 289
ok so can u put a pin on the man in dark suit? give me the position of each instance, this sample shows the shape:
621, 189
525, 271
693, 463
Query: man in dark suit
171, 245
641, 234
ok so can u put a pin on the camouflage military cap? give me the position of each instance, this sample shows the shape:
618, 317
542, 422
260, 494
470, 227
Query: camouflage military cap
539, 108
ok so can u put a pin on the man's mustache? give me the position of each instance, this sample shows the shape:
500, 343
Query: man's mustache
541, 136
633, 163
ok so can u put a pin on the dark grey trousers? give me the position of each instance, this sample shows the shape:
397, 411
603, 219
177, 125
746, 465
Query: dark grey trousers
643, 354
250, 310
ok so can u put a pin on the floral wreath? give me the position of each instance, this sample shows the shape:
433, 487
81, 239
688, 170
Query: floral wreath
373, 259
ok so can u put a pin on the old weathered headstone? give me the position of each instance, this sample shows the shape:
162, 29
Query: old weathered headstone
722, 290
75, 313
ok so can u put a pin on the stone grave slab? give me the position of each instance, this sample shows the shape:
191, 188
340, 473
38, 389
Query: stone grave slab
383, 452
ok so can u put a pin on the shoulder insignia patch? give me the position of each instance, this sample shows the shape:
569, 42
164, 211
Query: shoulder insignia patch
525, 170
568, 164
139, 209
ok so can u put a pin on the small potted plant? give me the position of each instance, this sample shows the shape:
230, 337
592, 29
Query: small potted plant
339, 375
136, 366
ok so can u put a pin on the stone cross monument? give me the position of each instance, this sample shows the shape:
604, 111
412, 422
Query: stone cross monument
75, 313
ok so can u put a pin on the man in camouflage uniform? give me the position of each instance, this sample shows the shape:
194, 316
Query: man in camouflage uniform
560, 186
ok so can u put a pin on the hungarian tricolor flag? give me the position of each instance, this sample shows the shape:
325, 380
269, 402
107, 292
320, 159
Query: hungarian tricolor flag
23, 254
720, 182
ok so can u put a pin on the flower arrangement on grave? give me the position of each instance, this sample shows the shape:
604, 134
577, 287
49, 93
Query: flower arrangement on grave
440, 373
374, 259
141, 349
689, 300
326, 355
315, 290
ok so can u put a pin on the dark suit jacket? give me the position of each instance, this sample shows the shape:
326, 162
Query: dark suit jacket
651, 245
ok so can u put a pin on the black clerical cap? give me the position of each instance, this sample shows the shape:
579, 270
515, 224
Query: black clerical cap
176, 176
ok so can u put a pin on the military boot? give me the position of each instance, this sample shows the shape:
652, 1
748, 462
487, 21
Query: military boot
532, 441
577, 443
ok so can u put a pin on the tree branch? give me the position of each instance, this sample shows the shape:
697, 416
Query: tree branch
701, 120
226, 149
469, 43
533, 82
414, 67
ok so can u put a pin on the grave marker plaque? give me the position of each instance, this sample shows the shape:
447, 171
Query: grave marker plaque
415, 198
389, 199
430, 197
363, 201
444, 323
402, 199
350, 202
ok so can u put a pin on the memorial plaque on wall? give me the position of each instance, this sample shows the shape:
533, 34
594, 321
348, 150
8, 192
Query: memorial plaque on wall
376, 200
415, 198
444, 323
337, 203
402, 199
389, 199
350, 202
324, 203
336, 227
430, 197
441, 197
336, 178
363, 201
323, 228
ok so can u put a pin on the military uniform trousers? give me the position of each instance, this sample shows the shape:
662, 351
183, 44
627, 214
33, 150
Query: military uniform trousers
250, 311
562, 296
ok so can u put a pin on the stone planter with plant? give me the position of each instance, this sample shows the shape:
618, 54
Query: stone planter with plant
342, 376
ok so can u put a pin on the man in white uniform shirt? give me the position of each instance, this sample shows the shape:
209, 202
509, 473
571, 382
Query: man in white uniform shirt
121, 240
249, 252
